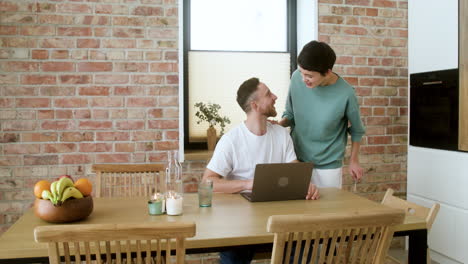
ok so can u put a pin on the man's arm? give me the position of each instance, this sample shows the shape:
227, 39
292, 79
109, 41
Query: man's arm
226, 186
355, 168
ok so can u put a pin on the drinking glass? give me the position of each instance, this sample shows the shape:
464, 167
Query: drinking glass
205, 193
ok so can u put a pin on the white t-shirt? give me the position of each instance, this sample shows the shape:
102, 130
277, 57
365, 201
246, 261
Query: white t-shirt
239, 151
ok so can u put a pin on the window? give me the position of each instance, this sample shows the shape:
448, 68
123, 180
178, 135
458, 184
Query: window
225, 43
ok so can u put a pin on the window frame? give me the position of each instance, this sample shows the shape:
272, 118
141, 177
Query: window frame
291, 10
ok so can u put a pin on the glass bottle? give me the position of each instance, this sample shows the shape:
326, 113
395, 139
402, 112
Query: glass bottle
174, 189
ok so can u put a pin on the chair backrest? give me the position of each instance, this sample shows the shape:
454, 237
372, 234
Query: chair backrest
429, 214
127, 180
115, 243
344, 237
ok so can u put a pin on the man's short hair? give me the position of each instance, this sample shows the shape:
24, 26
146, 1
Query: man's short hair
317, 56
245, 93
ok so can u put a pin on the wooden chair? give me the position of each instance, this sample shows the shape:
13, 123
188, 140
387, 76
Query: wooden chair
335, 237
115, 243
429, 214
127, 180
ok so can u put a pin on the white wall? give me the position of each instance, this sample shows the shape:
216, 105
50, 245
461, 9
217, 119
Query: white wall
438, 175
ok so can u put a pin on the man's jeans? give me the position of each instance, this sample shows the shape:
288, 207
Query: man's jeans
237, 256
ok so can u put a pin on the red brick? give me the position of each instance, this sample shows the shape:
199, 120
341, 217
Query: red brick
131, 67
18, 125
74, 8
141, 102
8, 7
9, 137
376, 101
128, 21
39, 137
95, 147
82, 114
171, 11
57, 91
372, 81
384, 3
58, 125
128, 33
58, 66
148, 11
163, 124
93, 20
166, 44
119, 43
41, 160
63, 114
37, 31
164, 67
45, 114
100, 114
397, 129
171, 135
357, 2
170, 113
19, 91
32, 102
112, 79
94, 91
107, 102
55, 19
19, 42
38, 79
74, 31
112, 9
19, 66
396, 149
166, 145
378, 120
378, 111
77, 136
155, 113
112, 158
172, 79
146, 136
88, 43
130, 125
57, 43
168, 101
8, 79
70, 102
102, 32
157, 157
75, 79
124, 147
60, 54
402, 101
153, 55
76, 159
171, 56
40, 54
13, 160
379, 140
94, 66
95, 125
7, 30
44, 7
59, 148
21, 148
112, 136
158, 33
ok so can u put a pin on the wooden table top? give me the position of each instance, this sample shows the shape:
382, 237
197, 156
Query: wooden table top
230, 221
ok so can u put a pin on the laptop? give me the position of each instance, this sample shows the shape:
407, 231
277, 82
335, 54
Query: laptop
280, 182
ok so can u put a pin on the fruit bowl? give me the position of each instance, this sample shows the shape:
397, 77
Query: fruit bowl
71, 210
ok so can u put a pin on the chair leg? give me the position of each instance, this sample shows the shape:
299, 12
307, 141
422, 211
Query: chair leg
392, 260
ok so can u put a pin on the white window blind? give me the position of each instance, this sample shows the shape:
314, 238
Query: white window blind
215, 77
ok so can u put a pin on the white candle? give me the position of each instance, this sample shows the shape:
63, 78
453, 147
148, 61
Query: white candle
174, 205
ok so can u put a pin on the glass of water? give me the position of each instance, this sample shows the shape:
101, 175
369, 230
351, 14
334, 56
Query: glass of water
205, 193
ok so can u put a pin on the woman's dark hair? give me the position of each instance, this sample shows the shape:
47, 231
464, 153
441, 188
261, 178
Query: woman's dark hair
317, 56
245, 92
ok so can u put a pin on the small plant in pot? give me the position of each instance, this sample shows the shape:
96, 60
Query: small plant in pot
210, 113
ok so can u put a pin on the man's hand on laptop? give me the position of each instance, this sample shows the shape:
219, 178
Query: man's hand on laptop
313, 193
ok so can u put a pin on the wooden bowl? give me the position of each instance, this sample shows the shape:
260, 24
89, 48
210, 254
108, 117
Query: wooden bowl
71, 210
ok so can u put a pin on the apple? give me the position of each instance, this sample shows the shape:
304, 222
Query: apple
68, 176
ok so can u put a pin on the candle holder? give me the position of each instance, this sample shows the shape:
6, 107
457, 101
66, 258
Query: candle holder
156, 204
174, 203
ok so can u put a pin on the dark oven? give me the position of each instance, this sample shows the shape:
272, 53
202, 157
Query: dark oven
434, 109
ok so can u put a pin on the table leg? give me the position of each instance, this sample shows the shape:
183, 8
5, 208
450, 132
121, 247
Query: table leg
417, 248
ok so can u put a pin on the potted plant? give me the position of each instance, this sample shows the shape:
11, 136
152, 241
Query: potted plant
210, 113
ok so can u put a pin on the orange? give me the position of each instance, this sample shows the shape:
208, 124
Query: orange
41, 186
84, 186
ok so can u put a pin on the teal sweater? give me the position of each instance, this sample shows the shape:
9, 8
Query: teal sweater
319, 121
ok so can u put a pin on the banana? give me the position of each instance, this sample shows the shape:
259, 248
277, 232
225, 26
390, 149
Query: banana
71, 192
53, 190
62, 184
47, 195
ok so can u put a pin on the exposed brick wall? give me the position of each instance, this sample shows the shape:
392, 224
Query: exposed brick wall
370, 38
83, 82
96, 82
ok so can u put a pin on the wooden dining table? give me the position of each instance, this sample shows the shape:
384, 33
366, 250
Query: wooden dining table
232, 221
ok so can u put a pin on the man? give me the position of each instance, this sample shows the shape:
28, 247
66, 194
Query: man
318, 108
252, 142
